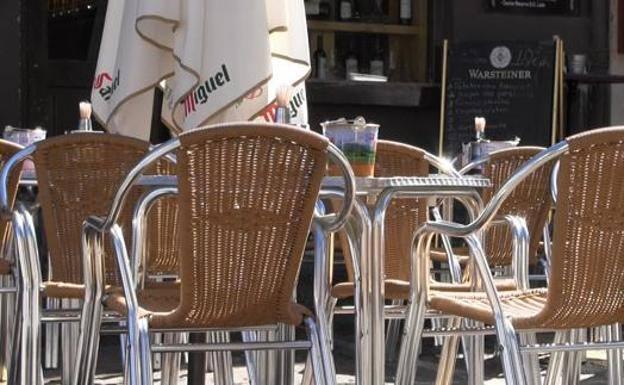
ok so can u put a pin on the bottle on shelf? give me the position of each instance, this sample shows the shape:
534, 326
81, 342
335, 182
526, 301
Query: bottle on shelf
405, 12
392, 74
345, 10
324, 10
313, 8
377, 61
351, 61
320, 59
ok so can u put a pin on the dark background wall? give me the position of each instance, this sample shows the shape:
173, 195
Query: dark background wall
42, 89
471, 20
10, 66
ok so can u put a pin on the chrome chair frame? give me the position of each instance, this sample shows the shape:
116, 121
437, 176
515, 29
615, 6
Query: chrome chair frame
138, 358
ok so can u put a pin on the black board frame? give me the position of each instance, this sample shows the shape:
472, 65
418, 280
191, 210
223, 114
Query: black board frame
555, 118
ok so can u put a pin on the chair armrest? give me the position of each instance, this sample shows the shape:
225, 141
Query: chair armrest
134, 174
553, 183
139, 221
5, 175
520, 247
333, 222
490, 211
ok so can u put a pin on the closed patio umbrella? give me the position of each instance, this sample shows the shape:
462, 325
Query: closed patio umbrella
215, 60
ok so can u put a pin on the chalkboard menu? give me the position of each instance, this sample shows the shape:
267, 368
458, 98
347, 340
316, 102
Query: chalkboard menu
511, 84
557, 7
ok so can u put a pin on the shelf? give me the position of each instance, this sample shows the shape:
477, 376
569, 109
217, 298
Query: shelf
355, 27
391, 94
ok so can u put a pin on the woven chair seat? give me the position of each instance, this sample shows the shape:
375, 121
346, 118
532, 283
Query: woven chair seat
438, 254
397, 289
5, 266
53, 289
152, 300
74, 290
521, 306
158, 304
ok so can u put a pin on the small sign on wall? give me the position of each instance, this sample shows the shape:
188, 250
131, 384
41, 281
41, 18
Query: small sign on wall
548, 7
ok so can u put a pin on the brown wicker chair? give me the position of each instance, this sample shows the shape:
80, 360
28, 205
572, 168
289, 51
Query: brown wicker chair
248, 193
77, 176
586, 277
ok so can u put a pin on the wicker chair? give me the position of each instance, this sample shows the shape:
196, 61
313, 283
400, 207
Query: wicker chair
586, 277
77, 176
531, 201
10, 315
248, 192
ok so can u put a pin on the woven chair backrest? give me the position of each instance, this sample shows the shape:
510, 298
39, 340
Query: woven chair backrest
246, 195
162, 230
78, 176
403, 216
7, 150
587, 270
530, 200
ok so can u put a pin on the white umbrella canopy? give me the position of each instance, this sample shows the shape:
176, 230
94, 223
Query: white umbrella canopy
218, 61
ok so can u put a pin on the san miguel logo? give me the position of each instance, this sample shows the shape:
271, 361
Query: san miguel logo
106, 85
201, 94
295, 104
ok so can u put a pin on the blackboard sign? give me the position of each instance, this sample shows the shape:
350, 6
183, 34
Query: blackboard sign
553, 7
511, 84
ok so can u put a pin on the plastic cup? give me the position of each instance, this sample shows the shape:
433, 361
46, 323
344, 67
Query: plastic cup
357, 140
24, 137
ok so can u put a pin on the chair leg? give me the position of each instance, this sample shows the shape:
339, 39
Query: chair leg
86, 349
5, 337
393, 334
531, 360
70, 336
251, 358
448, 356
555, 366
222, 361
16, 357
331, 308
575, 359
412, 337
319, 355
51, 342
476, 369
308, 373
145, 353
437, 323
286, 358
174, 369
615, 355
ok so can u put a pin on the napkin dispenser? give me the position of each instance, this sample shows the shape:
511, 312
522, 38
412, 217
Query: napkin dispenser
475, 150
